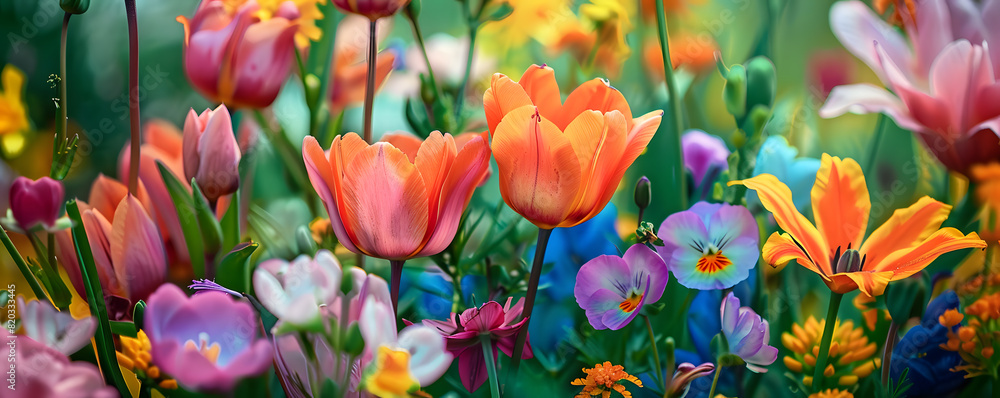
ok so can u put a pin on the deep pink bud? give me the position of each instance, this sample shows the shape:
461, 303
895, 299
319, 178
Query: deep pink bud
373, 9
211, 154
36, 202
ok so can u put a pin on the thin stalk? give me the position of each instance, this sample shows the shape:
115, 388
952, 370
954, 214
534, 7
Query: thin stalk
52, 251
491, 365
396, 275
529, 303
890, 343
62, 125
656, 352
22, 266
419, 36
473, 29
133, 94
677, 128
824, 345
877, 143
715, 380
286, 150
330, 35
370, 82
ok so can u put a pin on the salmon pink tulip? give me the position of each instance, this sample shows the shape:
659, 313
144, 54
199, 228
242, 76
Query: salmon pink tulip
559, 163
396, 203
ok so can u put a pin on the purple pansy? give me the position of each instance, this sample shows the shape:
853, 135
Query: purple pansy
613, 289
710, 246
747, 334
704, 154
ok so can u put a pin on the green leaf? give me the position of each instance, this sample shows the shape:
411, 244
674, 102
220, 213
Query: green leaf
22, 266
211, 231
139, 315
123, 328
417, 120
498, 12
231, 223
106, 356
189, 221
234, 269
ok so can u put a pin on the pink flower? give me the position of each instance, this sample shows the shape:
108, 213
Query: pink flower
417, 352
45, 324
233, 57
36, 202
43, 372
211, 154
944, 78
206, 342
463, 337
295, 291
685, 374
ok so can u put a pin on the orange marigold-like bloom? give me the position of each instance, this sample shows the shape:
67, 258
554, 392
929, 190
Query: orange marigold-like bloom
850, 352
832, 393
974, 341
603, 379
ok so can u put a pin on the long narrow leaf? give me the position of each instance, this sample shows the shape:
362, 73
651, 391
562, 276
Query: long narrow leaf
189, 221
106, 355
22, 266
211, 231
231, 224
234, 269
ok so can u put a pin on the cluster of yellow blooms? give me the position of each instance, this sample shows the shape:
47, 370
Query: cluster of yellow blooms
974, 341
832, 393
603, 379
135, 357
850, 352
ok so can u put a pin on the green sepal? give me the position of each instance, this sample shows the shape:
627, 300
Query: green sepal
234, 270
497, 12
75, 6
354, 345
761, 82
211, 231
734, 92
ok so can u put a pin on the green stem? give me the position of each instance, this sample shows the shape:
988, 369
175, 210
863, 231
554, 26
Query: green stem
678, 179
890, 343
133, 95
22, 266
61, 126
880, 128
824, 345
419, 36
395, 276
529, 303
491, 365
656, 352
370, 82
329, 36
473, 29
715, 380
286, 150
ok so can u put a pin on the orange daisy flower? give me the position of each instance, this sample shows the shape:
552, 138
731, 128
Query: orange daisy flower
603, 379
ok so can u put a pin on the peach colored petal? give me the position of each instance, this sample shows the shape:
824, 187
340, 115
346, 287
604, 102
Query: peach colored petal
907, 227
321, 175
139, 260
598, 141
407, 143
840, 203
641, 132
434, 162
470, 166
538, 168
596, 94
503, 96
539, 82
385, 202
870, 283
780, 249
99, 236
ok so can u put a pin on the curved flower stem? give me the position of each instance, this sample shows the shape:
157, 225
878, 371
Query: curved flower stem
824, 345
491, 365
656, 352
529, 303
36, 288
396, 275
61, 126
880, 128
370, 81
419, 36
679, 180
473, 21
133, 94
890, 343
715, 380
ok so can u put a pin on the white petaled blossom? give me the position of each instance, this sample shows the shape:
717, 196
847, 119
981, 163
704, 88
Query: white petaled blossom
57, 330
418, 349
295, 291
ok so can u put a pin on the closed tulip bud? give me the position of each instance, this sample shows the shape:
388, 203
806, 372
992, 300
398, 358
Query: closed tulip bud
643, 193
413, 9
211, 154
734, 93
372, 9
761, 79
35, 202
74, 6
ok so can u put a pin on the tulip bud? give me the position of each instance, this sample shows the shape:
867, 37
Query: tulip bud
734, 93
373, 9
761, 80
413, 10
35, 202
74, 6
211, 154
643, 193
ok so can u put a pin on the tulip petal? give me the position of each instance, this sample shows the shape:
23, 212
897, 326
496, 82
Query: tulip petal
405, 142
326, 184
503, 97
468, 170
925, 109
870, 283
386, 203
957, 75
261, 62
640, 133
908, 261
595, 94
866, 98
781, 248
378, 326
777, 198
218, 170
140, 261
434, 162
194, 127
840, 202
539, 171
99, 236
906, 227
539, 82
428, 358
472, 368
857, 27
599, 141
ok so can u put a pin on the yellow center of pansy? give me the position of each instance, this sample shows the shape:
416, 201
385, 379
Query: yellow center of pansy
631, 303
391, 376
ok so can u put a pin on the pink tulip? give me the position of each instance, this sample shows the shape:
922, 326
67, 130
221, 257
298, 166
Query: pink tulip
42, 372
233, 57
36, 202
58, 330
943, 78
211, 154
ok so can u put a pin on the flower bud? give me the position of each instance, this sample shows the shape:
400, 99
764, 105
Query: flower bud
760, 80
734, 93
211, 154
35, 202
373, 9
74, 6
643, 193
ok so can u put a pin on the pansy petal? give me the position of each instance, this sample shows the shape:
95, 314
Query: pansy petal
646, 264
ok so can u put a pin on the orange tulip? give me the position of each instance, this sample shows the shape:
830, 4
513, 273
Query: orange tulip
559, 163
396, 203
350, 75
904, 245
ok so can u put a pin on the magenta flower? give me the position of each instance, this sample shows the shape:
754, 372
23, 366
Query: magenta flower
710, 246
747, 334
463, 337
943, 78
42, 372
58, 330
705, 155
206, 342
613, 289
36, 202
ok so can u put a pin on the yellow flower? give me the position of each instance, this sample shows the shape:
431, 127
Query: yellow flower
832, 393
528, 19
135, 356
603, 379
861, 302
307, 14
391, 376
13, 117
850, 352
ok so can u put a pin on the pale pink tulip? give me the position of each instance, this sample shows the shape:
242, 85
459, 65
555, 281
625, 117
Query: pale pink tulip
211, 154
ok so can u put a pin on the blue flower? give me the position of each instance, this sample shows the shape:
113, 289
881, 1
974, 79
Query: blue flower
779, 159
920, 351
